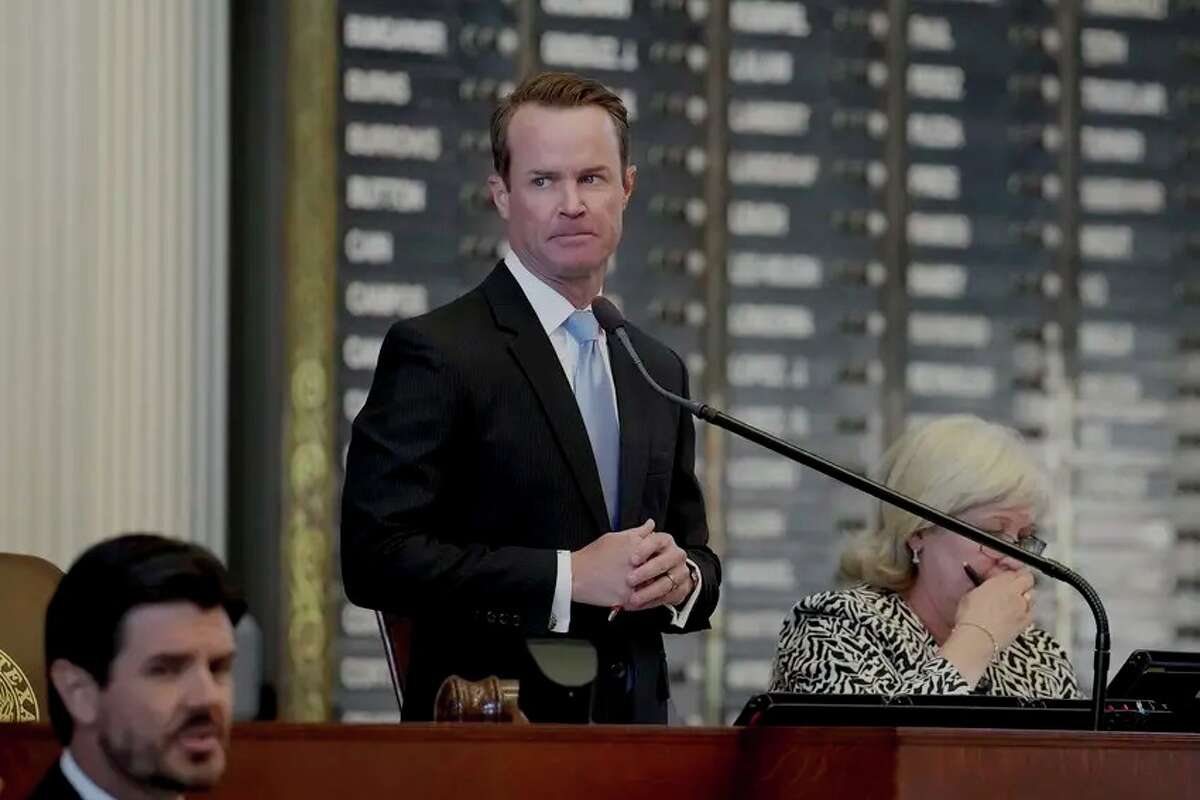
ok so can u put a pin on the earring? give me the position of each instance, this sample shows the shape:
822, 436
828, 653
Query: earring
916, 555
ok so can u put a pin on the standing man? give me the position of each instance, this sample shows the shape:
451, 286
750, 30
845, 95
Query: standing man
139, 651
511, 475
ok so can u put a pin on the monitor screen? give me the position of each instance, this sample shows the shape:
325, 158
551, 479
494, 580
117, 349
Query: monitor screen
1166, 676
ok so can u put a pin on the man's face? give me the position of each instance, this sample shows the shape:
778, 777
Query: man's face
163, 719
566, 191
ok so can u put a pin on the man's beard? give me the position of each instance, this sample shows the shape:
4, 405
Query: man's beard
145, 765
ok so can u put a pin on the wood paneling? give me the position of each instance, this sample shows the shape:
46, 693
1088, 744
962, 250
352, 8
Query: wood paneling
499, 762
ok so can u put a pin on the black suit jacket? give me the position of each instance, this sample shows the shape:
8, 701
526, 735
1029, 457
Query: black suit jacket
469, 466
54, 786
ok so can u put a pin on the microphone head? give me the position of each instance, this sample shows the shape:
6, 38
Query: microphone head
607, 315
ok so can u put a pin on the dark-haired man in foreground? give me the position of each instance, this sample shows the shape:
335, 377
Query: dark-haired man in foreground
139, 651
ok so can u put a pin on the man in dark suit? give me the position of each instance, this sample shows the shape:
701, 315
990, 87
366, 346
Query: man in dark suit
139, 651
511, 476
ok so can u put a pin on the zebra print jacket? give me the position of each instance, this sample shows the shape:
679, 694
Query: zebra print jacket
868, 641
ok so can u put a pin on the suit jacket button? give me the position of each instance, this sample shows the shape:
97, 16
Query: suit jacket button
617, 670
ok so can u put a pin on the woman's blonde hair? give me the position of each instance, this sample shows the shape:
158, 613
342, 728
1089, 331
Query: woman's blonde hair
952, 464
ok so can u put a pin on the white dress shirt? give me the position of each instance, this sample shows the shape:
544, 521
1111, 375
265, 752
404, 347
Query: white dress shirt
552, 310
84, 786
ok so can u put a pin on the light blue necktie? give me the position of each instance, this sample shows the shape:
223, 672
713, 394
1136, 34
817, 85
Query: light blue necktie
594, 394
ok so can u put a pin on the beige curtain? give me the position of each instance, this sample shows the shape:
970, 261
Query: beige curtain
113, 271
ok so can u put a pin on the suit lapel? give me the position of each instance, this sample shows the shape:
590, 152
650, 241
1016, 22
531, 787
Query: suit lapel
632, 404
54, 786
533, 352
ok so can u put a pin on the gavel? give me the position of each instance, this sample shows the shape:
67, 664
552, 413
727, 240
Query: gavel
488, 700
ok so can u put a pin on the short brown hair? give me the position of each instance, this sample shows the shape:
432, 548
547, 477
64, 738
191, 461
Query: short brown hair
557, 90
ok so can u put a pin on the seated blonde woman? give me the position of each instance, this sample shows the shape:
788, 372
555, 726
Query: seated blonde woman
914, 621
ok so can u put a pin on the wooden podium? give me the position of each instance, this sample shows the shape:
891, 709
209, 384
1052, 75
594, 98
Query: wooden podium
486, 762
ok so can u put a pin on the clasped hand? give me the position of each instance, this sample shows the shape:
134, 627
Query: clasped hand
635, 569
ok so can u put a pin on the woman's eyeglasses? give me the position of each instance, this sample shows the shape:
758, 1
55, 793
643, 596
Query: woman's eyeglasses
1030, 544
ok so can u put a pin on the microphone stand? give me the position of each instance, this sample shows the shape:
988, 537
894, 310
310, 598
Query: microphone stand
1047, 566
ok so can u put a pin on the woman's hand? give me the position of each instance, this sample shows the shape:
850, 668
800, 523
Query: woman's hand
1002, 605
987, 620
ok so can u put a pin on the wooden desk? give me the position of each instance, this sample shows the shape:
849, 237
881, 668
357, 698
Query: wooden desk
912, 763
481, 762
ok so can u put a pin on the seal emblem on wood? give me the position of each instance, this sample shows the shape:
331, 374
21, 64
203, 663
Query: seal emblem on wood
18, 703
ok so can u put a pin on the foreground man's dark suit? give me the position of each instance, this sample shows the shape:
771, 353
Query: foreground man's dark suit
54, 786
469, 466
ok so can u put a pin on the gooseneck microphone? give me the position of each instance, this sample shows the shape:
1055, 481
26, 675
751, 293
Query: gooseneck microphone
613, 323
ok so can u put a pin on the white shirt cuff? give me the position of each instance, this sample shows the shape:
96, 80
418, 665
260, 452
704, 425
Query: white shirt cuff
679, 615
560, 608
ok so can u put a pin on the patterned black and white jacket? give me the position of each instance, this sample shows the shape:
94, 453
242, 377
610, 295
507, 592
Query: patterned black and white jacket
868, 641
